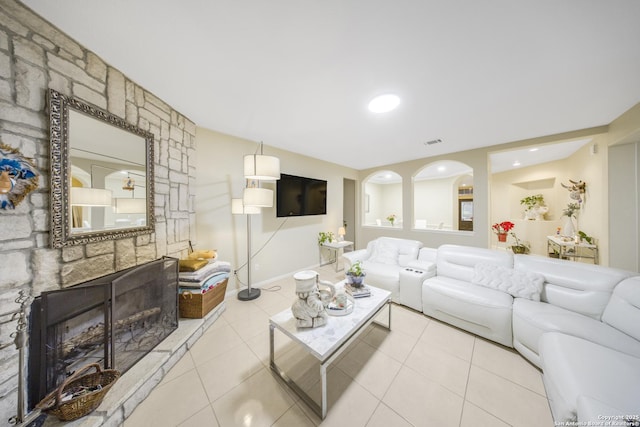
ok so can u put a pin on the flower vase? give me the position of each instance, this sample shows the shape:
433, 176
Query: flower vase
502, 237
568, 226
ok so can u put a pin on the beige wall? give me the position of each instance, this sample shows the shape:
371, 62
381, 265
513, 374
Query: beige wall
623, 190
293, 245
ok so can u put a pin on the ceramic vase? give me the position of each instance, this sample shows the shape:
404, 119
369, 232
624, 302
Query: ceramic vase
569, 227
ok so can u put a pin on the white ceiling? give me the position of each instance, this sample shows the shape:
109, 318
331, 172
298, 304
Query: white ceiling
534, 155
298, 74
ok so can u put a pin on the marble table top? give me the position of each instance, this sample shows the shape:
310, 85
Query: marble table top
323, 341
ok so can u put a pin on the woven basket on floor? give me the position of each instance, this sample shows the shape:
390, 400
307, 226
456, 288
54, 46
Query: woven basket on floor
194, 305
84, 404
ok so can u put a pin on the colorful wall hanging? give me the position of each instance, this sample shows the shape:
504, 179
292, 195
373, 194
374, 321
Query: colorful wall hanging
18, 177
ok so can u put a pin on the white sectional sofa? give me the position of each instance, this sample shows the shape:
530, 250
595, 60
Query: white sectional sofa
578, 322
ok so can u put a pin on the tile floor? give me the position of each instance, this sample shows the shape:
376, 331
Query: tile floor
422, 373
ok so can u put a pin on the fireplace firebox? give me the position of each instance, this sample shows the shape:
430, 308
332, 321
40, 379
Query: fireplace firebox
113, 320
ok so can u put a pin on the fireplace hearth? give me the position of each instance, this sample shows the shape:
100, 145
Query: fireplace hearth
113, 320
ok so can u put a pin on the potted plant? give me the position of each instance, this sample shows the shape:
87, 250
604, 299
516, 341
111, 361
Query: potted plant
520, 247
501, 229
391, 218
324, 237
535, 206
585, 237
355, 274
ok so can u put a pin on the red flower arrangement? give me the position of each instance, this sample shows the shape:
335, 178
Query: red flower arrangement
502, 227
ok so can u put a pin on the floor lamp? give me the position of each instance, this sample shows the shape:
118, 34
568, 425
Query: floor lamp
238, 208
257, 167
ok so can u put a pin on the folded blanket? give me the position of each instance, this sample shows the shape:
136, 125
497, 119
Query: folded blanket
206, 285
210, 281
190, 265
205, 272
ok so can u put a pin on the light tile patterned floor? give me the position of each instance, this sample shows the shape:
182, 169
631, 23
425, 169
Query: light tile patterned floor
422, 373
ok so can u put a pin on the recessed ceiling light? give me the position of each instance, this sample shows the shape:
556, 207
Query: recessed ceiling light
442, 168
516, 163
533, 149
384, 103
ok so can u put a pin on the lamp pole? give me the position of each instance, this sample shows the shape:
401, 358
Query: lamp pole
248, 294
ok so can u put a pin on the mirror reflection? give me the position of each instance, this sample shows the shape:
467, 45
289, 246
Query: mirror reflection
443, 197
101, 174
108, 176
383, 200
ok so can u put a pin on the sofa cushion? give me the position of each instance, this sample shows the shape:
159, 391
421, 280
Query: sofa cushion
532, 319
384, 253
623, 310
482, 311
384, 276
583, 288
520, 284
458, 262
575, 367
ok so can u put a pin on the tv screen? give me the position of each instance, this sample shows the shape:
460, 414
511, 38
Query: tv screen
298, 196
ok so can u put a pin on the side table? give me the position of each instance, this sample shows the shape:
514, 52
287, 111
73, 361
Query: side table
334, 248
567, 248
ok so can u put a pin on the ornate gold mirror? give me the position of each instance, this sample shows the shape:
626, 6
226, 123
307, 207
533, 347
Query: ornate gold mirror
101, 174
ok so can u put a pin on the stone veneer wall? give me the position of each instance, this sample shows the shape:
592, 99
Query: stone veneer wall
35, 56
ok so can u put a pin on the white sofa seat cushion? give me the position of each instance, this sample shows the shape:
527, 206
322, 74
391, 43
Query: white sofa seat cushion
482, 311
384, 276
532, 319
575, 367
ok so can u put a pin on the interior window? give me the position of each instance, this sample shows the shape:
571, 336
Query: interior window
443, 197
382, 200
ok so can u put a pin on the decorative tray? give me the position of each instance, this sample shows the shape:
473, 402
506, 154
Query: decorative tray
334, 310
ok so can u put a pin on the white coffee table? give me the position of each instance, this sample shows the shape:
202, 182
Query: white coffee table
327, 342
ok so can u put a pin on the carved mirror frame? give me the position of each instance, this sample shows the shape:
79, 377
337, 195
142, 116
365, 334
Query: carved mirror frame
60, 169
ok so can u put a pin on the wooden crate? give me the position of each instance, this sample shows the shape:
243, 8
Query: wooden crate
196, 305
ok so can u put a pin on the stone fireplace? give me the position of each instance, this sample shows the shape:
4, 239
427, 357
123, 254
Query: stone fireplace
113, 320
36, 56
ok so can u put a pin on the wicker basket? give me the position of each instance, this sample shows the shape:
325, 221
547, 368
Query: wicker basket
197, 305
84, 404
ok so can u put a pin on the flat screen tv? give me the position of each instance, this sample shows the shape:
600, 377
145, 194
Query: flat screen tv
299, 196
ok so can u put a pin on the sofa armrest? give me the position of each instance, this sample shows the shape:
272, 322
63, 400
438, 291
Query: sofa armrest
411, 279
350, 258
427, 266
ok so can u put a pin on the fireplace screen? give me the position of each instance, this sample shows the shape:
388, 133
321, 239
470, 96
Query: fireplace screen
114, 321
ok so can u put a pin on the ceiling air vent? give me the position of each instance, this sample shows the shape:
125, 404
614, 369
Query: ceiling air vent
433, 141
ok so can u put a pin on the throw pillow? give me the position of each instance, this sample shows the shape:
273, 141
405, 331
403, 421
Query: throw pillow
384, 253
520, 284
